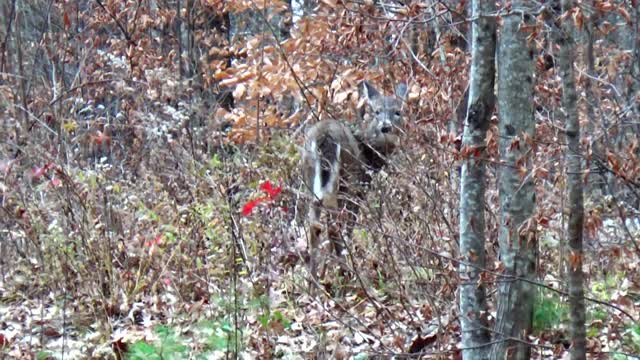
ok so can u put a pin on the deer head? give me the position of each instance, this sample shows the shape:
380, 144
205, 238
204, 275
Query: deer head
384, 120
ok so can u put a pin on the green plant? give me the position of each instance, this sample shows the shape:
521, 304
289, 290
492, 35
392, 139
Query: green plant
598, 314
43, 355
548, 312
632, 338
603, 289
274, 320
594, 317
168, 346
219, 335
269, 318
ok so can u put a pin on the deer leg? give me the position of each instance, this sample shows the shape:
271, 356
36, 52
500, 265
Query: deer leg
351, 209
315, 228
334, 231
346, 220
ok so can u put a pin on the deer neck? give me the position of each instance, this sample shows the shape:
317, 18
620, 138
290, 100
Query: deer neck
372, 157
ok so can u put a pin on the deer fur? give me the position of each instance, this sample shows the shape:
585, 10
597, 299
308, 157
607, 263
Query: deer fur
337, 163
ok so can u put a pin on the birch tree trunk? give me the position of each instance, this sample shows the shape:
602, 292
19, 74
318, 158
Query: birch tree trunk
518, 243
473, 304
574, 181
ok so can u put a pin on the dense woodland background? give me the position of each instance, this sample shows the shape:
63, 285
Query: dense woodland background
151, 202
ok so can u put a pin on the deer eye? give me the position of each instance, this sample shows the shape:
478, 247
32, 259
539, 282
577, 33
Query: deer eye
377, 112
397, 113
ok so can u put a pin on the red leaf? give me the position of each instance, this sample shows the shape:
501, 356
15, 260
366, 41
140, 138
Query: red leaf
266, 186
39, 172
276, 192
155, 241
543, 221
270, 190
248, 207
101, 137
272, 193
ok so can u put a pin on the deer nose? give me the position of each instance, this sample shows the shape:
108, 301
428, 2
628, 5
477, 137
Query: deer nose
386, 128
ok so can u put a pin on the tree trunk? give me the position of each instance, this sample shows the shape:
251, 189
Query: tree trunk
473, 304
23, 76
574, 181
597, 177
517, 238
179, 43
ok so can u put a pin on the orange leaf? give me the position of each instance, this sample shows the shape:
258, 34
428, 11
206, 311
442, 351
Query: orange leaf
230, 81
613, 162
522, 171
515, 144
623, 12
221, 75
541, 173
575, 260
330, 3
578, 18
66, 21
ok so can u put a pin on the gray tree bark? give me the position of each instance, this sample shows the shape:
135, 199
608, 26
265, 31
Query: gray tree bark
574, 181
596, 183
517, 238
473, 303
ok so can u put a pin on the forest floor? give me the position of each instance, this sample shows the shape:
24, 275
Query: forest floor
274, 316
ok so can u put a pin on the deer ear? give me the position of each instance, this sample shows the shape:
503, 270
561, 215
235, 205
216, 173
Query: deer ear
369, 91
401, 91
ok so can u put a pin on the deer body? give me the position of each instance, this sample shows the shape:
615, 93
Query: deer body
337, 163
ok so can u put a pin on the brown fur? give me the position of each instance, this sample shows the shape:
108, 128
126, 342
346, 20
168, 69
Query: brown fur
337, 163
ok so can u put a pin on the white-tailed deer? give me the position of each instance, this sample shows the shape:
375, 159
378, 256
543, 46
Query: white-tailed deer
337, 163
